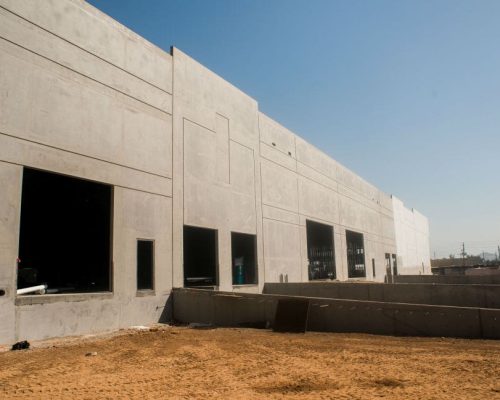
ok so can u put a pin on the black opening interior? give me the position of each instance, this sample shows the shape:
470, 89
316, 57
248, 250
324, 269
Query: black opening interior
388, 269
320, 251
355, 255
200, 256
145, 264
243, 251
65, 236
394, 264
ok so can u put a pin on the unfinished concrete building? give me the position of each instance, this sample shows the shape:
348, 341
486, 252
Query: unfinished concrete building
118, 185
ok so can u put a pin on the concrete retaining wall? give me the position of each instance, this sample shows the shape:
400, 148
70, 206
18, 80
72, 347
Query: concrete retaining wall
485, 296
449, 279
329, 315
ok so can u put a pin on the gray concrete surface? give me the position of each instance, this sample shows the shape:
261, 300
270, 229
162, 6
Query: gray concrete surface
332, 315
450, 279
84, 96
484, 296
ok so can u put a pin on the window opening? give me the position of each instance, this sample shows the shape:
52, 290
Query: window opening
355, 255
65, 234
394, 264
243, 254
320, 251
200, 256
145, 264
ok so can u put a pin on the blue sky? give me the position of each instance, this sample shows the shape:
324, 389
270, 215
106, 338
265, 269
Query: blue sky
404, 93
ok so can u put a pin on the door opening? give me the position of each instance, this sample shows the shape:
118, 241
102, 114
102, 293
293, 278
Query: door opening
200, 256
320, 251
355, 254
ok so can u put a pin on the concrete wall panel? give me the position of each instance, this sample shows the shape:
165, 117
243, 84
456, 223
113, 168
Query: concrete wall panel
412, 239
21, 152
317, 201
11, 178
282, 251
279, 187
51, 105
86, 27
39, 41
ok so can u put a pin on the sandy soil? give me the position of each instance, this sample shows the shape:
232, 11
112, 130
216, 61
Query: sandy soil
175, 362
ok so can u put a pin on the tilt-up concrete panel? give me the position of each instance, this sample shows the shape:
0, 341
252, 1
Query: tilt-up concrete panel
216, 159
10, 210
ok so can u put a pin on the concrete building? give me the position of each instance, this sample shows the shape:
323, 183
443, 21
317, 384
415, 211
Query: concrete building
118, 184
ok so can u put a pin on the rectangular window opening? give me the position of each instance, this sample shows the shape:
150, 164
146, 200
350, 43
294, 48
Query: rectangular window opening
65, 234
388, 269
373, 267
244, 259
320, 251
355, 255
200, 257
145, 264
394, 264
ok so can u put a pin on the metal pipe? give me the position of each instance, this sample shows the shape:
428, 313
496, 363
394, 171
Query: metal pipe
39, 288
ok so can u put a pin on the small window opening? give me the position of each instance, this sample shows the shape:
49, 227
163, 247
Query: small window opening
200, 256
65, 234
373, 267
355, 255
243, 254
388, 269
145, 264
320, 251
394, 264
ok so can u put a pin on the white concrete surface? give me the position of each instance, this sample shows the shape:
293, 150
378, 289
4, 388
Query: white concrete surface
412, 240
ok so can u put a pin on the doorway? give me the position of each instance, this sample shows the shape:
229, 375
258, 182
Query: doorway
355, 255
320, 251
200, 257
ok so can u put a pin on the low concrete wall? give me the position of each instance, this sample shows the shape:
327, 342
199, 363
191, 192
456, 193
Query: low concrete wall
484, 296
329, 315
449, 279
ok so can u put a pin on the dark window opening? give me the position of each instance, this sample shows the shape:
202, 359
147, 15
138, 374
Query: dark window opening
243, 254
65, 235
355, 255
200, 256
388, 269
145, 264
394, 264
320, 251
373, 267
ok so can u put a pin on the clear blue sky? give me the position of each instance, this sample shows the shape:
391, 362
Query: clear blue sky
404, 93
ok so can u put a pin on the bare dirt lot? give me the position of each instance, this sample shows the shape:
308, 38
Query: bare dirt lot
175, 362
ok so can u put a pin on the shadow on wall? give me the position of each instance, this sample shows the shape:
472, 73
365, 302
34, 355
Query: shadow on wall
167, 313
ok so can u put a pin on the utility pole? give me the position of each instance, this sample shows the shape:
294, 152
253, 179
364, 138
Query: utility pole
463, 254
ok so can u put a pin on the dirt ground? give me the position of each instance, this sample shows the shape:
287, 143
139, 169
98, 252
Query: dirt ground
183, 363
